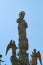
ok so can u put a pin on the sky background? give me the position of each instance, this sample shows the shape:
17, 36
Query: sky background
9, 10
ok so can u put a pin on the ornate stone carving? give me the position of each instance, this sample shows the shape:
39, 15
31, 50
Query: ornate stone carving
22, 46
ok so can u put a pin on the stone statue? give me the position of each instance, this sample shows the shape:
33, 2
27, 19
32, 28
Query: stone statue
22, 26
34, 56
23, 56
12, 46
23, 41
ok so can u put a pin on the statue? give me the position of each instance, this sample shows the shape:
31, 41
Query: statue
22, 26
13, 47
36, 55
23, 56
23, 41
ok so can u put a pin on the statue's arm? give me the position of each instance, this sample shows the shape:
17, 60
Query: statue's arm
18, 20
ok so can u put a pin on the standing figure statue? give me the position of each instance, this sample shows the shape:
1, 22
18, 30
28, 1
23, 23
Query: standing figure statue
23, 41
22, 26
35, 55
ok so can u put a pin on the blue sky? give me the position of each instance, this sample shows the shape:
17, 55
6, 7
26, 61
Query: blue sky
9, 10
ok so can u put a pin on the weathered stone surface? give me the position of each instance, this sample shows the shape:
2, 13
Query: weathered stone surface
23, 45
14, 60
22, 25
23, 41
12, 46
22, 29
23, 56
35, 56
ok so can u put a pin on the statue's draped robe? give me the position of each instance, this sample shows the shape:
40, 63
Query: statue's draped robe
23, 41
22, 25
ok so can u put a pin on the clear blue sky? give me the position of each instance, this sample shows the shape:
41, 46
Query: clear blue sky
9, 10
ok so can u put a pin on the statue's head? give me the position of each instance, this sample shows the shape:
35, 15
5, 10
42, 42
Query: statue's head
14, 44
34, 50
22, 14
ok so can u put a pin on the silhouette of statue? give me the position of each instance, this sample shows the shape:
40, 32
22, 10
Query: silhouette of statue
22, 25
23, 56
13, 47
34, 56
23, 41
